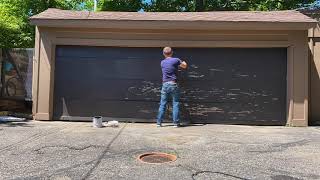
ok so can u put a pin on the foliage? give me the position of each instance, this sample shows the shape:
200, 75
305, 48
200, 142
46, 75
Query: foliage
224, 5
122, 5
15, 30
265, 5
169, 5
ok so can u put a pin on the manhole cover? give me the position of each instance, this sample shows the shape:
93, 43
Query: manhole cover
157, 158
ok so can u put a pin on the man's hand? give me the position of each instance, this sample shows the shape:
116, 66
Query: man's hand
183, 65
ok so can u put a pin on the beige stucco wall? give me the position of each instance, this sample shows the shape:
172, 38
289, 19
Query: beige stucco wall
295, 40
314, 45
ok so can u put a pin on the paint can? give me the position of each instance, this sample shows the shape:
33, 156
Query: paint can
97, 121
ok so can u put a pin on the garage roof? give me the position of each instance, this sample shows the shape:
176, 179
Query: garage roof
53, 17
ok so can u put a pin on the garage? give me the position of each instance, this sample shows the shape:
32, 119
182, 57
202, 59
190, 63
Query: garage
243, 69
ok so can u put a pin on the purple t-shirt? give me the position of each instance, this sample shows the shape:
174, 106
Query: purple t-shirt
169, 68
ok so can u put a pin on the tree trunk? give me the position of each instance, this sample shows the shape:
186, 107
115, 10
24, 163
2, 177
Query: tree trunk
2, 75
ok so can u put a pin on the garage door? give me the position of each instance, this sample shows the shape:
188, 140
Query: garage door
221, 85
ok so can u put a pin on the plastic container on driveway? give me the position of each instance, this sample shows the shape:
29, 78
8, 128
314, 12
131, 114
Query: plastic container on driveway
97, 121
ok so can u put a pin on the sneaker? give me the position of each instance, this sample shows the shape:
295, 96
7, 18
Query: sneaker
176, 125
159, 125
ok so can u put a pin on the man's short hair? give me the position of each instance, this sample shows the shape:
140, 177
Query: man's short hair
167, 51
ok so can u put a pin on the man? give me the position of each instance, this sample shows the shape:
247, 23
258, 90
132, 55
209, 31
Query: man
170, 87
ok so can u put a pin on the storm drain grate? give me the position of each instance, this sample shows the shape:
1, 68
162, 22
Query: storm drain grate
157, 158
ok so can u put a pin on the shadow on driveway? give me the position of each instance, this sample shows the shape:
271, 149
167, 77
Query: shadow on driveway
16, 124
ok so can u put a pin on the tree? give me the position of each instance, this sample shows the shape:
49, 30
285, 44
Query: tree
266, 5
227, 5
15, 30
122, 5
13, 27
199, 5
169, 5
224, 5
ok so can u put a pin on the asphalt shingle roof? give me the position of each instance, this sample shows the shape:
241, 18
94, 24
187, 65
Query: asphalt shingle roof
214, 16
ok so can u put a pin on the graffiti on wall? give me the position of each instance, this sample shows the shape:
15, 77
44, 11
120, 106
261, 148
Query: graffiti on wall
16, 73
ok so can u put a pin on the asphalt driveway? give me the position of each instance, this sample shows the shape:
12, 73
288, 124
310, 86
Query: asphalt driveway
74, 150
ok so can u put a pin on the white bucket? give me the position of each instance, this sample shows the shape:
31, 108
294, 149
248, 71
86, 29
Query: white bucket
97, 121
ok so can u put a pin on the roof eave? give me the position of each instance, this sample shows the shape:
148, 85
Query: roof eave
199, 25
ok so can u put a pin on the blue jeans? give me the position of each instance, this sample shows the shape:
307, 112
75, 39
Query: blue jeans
169, 89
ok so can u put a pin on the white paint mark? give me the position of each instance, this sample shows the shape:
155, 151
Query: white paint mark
217, 70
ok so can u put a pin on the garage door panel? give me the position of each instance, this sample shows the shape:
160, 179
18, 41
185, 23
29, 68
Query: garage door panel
150, 91
223, 63
221, 74
221, 85
226, 91
191, 112
112, 90
231, 113
109, 52
107, 108
224, 95
94, 68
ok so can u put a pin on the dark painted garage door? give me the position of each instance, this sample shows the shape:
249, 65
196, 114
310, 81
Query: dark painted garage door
221, 85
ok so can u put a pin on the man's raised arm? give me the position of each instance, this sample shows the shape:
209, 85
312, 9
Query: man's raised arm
183, 65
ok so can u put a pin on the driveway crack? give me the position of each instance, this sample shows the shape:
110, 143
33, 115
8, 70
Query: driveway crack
195, 172
31, 138
68, 147
100, 157
281, 147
